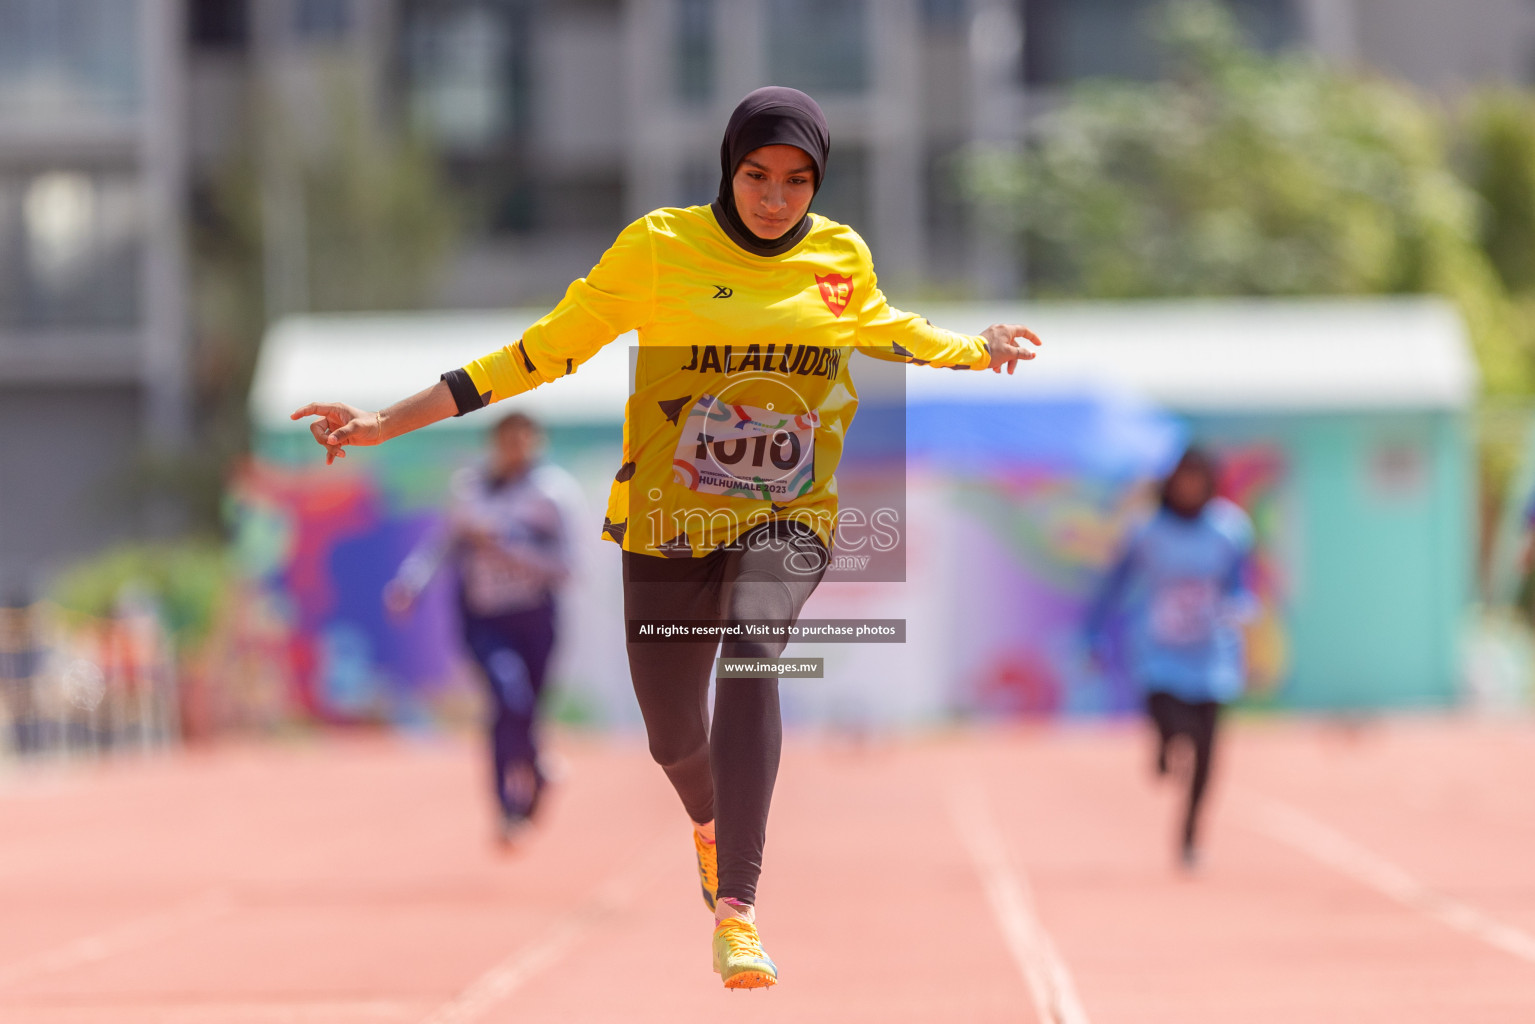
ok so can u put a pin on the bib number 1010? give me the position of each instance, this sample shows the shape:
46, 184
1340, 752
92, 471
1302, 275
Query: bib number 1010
782, 449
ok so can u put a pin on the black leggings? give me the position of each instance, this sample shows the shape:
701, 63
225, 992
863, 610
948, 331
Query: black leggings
513, 651
725, 773
1174, 716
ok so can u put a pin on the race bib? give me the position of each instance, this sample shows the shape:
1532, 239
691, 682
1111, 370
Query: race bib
746, 452
1183, 612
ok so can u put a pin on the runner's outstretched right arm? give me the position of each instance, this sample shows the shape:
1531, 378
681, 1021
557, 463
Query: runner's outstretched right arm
338, 424
616, 297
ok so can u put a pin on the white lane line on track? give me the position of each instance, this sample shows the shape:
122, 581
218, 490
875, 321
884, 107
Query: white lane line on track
273, 1012
504, 978
1012, 904
119, 939
1300, 831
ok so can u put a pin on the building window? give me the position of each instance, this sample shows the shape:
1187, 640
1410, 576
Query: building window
63, 58
321, 20
465, 83
820, 46
946, 15
466, 87
70, 249
945, 211
1271, 25
844, 196
699, 181
1068, 40
695, 50
219, 24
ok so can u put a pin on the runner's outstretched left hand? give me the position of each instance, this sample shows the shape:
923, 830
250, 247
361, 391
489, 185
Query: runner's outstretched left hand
1006, 347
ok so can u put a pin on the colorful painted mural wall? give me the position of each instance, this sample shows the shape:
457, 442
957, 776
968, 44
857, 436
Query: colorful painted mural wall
1046, 539
319, 547
1007, 533
1007, 530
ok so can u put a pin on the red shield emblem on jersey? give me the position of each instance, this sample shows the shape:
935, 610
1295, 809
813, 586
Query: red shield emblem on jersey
836, 291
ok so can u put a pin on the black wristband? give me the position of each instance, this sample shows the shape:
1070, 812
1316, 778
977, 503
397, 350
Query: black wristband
464, 395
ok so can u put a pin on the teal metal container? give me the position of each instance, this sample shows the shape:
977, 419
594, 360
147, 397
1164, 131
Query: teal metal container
1373, 526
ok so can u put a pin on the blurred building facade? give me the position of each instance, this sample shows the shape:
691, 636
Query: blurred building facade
554, 121
92, 295
560, 121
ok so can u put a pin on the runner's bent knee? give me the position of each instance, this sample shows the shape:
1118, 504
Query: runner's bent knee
670, 747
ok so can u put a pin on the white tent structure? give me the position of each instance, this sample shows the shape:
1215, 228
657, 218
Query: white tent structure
1364, 396
1208, 355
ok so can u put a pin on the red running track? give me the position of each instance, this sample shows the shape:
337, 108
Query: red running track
1381, 873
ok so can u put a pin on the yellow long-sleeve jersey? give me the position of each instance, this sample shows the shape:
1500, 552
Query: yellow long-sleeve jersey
742, 394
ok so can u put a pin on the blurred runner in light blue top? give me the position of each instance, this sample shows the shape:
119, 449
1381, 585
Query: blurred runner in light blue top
1180, 585
1179, 593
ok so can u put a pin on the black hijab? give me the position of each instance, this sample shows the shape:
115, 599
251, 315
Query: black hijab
1201, 463
772, 116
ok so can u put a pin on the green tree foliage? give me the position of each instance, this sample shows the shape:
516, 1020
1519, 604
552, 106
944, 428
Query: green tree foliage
184, 581
1241, 173
1500, 165
378, 219
371, 222
1498, 159
1498, 156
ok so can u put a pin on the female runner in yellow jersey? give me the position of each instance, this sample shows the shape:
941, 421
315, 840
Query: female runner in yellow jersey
725, 502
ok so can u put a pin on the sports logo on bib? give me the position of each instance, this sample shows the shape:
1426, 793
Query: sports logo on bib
746, 452
836, 291
1183, 612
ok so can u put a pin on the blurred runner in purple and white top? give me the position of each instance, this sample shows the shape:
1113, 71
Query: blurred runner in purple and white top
507, 536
